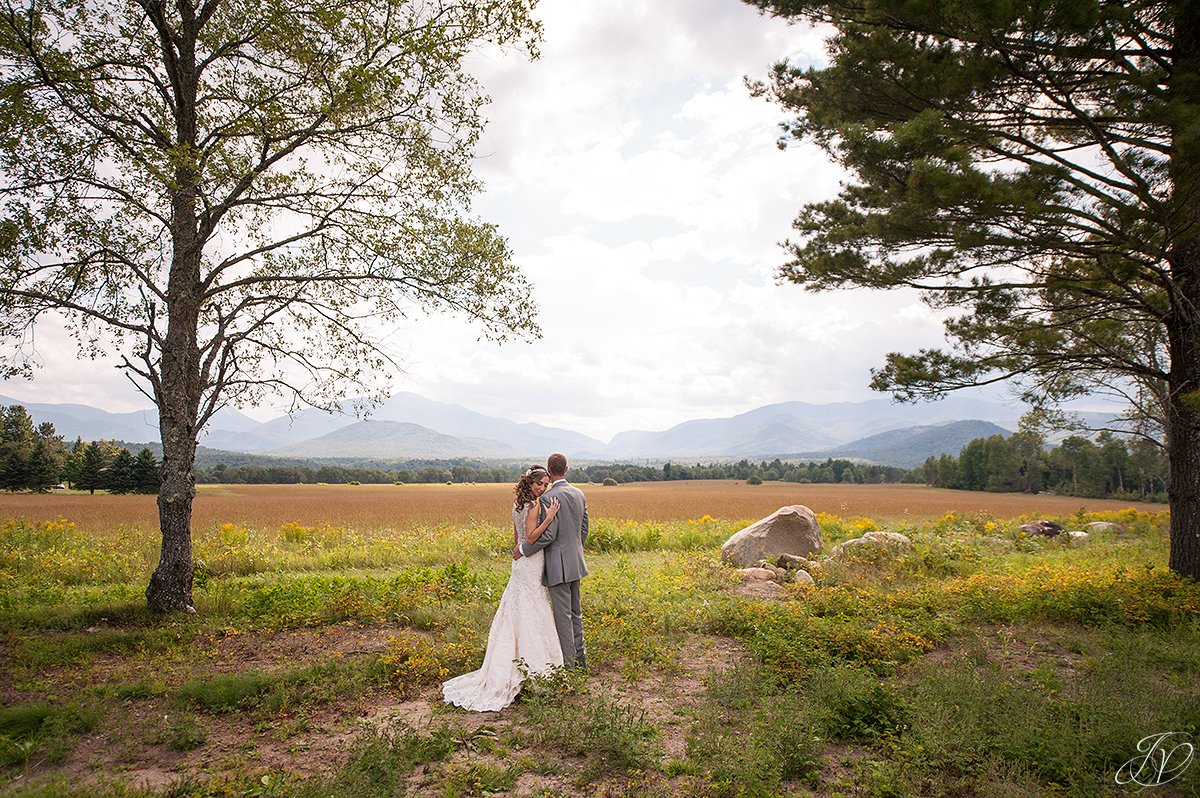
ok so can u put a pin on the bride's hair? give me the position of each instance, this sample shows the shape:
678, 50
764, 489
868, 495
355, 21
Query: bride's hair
524, 488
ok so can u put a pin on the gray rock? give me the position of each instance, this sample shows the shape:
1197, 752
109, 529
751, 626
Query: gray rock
890, 538
792, 561
1104, 527
789, 530
756, 574
891, 541
803, 578
1042, 527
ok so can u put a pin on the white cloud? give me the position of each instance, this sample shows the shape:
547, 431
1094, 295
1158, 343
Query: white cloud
644, 195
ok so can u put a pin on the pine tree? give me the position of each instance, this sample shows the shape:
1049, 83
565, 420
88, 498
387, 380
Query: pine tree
92, 467
1032, 169
73, 464
121, 476
146, 478
16, 446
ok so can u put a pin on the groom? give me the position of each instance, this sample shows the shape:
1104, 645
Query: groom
563, 542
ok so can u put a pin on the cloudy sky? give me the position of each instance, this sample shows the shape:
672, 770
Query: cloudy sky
642, 192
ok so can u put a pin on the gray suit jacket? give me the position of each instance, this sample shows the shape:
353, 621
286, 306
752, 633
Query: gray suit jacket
563, 540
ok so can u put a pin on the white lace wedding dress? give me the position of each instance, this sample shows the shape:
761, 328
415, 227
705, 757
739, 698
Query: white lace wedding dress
522, 635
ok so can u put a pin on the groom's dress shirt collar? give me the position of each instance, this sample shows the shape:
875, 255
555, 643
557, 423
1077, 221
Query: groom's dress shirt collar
555, 482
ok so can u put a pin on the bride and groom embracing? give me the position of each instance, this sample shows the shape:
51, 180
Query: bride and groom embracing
539, 623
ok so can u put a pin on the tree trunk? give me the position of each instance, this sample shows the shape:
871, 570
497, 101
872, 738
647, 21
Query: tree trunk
170, 588
1183, 327
1183, 415
181, 385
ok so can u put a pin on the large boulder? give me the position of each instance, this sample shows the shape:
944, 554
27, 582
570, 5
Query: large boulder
788, 530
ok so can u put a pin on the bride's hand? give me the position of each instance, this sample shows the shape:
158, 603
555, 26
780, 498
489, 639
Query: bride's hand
552, 510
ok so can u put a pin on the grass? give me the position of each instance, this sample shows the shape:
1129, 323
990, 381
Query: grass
606, 733
980, 661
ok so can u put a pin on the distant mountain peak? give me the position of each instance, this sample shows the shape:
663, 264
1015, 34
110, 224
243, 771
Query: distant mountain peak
409, 426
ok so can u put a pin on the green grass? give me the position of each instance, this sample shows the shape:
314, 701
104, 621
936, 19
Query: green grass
751, 735
41, 732
381, 761
604, 732
278, 692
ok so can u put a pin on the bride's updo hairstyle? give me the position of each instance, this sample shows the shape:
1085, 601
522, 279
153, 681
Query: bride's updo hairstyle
524, 488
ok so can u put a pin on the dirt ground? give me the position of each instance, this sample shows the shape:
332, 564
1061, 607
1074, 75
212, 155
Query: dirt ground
315, 739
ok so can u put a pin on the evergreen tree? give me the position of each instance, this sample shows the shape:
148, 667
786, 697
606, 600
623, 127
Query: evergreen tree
145, 473
92, 467
73, 463
17, 437
44, 466
121, 476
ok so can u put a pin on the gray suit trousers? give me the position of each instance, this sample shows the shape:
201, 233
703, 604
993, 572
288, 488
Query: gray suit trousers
568, 622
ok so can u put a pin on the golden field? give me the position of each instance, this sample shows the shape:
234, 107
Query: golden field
403, 506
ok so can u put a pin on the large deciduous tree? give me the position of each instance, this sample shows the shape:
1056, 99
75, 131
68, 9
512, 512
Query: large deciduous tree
1034, 168
236, 195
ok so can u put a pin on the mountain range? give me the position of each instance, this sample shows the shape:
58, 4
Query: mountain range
411, 427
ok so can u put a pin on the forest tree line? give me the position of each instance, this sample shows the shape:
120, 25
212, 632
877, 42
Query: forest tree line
431, 472
1107, 467
33, 457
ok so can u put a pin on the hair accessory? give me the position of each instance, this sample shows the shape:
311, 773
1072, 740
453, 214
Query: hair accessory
534, 470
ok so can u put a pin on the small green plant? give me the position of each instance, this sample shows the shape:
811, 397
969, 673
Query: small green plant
138, 690
471, 779
614, 736
186, 733
382, 759
854, 704
750, 736
42, 729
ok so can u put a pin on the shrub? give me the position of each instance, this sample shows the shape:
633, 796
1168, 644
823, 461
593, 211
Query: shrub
414, 659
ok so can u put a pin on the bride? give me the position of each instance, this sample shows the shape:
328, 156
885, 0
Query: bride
522, 639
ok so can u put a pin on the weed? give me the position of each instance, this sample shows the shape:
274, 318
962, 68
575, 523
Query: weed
471, 779
42, 730
610, 734
749, 743
853, 704
381, 759
135, 691
185, 733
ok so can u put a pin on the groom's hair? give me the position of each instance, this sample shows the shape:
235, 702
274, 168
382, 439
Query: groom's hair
556, 464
